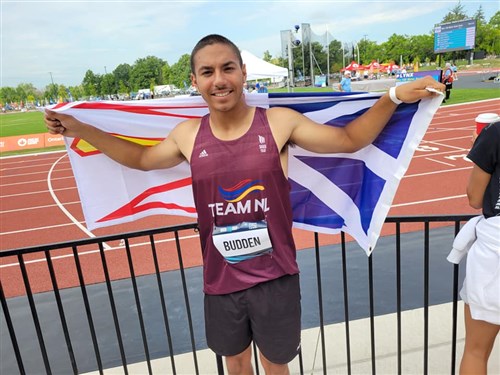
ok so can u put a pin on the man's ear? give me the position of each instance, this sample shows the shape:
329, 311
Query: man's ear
244, 70
193, 80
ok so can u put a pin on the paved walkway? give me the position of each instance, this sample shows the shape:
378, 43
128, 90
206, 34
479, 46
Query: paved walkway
439, 356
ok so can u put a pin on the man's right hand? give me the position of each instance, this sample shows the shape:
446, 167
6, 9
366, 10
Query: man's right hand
58, 123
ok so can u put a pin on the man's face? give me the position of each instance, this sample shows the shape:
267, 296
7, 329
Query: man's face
219, 76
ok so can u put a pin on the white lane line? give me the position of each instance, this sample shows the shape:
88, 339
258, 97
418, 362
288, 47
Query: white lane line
89, 252
34, 181
61, 206
37, 192
37, 228
27, 174
31, 166
440, 162
36, 207
436, 172
430, 200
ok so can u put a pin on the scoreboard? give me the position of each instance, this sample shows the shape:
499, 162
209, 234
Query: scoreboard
455, 36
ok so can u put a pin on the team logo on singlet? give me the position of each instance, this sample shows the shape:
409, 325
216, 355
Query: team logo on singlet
262, 144
235, 202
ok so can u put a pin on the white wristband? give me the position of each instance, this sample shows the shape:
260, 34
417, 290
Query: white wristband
392, 95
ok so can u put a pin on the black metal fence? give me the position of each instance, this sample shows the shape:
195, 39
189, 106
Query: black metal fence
76, 313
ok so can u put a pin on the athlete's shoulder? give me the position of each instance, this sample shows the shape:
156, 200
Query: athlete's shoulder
280, 113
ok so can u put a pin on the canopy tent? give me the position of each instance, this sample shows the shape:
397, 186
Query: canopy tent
389, 67
374, 65
260, 69
352, 66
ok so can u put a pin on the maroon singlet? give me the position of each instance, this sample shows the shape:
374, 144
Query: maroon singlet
242, 181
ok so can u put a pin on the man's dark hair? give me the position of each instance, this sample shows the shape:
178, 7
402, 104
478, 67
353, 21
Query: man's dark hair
214, 39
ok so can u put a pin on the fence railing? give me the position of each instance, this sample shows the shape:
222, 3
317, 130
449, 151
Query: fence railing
114, 301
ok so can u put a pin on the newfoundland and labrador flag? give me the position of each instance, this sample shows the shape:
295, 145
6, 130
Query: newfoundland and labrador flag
330, 192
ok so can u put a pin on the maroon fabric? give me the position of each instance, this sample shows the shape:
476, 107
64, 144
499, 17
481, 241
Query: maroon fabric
219, 169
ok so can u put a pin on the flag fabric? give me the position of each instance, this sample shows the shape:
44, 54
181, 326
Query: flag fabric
330, 192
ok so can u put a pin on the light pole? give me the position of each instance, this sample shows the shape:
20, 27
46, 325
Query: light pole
343, 56
53, 89
290, 44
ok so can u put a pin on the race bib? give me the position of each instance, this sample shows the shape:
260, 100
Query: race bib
242, 241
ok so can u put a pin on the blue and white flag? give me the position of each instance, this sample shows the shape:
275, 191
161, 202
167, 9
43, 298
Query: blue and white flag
330, 192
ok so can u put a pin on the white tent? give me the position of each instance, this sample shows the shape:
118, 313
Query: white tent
260, 69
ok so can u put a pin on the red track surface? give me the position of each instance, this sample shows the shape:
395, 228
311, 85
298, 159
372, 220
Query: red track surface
30, 215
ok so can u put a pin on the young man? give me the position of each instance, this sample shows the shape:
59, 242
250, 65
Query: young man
239, 163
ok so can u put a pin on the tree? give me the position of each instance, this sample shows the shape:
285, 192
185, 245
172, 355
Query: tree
51, 91
146, 71
396, 47
181, 71
122, 77
166, 72
76, 92
457, 13
90, 84
479, 16
62, 93
422, 48
8, 95
25, 90
267, 56
495, 20
108, 85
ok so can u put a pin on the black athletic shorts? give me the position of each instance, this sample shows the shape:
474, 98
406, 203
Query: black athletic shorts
268, 313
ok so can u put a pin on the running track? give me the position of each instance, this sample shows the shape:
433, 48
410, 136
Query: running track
40, 204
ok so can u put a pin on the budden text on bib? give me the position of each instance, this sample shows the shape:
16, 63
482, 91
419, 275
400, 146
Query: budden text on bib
242, 241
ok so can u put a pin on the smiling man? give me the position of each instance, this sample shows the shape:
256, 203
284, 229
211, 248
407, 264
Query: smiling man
239, 163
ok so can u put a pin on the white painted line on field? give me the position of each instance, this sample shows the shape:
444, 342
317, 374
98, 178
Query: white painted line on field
33, 182
436, 172
36, 192
36, 207
109, 248
441, 162
61, 206
27, 174
430, 200
34, 229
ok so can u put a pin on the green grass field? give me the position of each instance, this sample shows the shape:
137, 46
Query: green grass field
21, 123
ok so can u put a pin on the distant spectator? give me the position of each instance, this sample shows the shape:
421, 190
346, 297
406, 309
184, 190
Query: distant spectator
345, 83
455, 70
263, 88
447, 79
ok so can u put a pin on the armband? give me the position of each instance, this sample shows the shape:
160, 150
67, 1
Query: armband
392, 95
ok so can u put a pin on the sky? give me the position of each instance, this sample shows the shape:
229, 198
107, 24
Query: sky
58, 41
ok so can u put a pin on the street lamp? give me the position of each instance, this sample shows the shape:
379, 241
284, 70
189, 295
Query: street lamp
343, 56
53, 88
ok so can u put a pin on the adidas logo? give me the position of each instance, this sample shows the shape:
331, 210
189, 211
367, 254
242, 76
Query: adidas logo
203, 154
